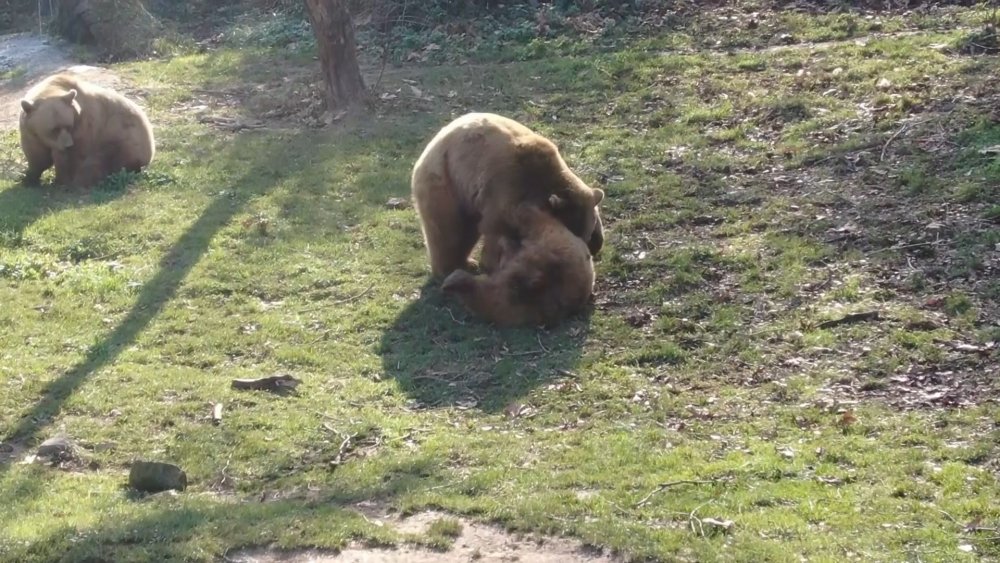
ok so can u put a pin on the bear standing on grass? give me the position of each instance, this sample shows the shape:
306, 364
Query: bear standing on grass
86, 131
473, 175
544, 273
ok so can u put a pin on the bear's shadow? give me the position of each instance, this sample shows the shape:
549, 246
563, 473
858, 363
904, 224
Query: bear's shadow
21, 205
442, 356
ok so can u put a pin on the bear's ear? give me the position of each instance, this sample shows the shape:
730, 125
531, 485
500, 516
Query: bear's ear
27, 105
598, 196
68, 97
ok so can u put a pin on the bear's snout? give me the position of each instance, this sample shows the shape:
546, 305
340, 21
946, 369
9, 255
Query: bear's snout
65, 140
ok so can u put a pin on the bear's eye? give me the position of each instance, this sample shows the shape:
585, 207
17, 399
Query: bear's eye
55, 130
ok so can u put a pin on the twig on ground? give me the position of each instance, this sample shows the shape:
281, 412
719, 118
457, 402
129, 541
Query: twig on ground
900, 247
354, 297
528, 353
452, 315
950, 517
692, 519
344, 447
338, 301
664, 486
891, 139
539, 337
850, 319
896, 134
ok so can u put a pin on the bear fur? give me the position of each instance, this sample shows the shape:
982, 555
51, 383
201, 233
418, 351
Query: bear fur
86, 131
476, 170
544, 274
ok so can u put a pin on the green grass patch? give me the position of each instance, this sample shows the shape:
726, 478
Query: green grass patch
745, 203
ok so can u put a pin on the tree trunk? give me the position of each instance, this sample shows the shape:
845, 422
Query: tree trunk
331, 23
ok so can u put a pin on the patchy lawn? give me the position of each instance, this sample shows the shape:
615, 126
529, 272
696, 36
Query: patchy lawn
791, 354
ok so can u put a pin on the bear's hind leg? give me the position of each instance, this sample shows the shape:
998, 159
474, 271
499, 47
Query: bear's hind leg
487, 297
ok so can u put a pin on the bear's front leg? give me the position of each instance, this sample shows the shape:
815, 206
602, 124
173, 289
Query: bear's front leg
65, 164
39, 158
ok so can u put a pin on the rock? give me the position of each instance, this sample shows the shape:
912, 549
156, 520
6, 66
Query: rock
57, 447
883, 84
397, 203
838, 71
154, 477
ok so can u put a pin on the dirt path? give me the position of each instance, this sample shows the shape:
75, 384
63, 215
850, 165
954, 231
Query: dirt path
476, 542
24, 59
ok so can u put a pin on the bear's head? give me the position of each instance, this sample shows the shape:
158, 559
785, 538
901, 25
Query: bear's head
52, 119
580, 213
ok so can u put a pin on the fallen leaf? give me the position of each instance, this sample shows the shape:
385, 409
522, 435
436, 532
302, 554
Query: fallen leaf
847, 419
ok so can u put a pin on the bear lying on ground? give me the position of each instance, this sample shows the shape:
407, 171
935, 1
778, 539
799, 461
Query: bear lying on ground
544, 274
476, 170
87, 132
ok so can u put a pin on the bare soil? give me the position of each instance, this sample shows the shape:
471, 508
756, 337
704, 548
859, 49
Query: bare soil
477, 542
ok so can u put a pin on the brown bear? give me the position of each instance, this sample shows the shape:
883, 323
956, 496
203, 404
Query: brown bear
87, 132
544, 273
476, 170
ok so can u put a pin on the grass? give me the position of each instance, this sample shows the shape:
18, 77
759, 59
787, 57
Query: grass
746, 204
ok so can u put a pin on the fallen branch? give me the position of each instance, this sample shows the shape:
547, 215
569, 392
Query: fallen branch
896, 134
850, 319
893, 137
664, 486
900, 247
276, 383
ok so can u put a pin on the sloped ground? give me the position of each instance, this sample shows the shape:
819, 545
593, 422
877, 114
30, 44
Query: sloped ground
792, 353
27, 58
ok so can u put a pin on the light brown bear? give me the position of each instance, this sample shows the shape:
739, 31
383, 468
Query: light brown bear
475, 171
87, 132
544, 274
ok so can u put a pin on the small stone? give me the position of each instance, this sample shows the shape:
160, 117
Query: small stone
154, 477
397, 203
837, 71
883, 84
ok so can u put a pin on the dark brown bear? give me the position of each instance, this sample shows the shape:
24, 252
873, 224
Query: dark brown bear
544, 273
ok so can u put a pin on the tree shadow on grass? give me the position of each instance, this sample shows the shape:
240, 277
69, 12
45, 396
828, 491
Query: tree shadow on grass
443, 356
156, 293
